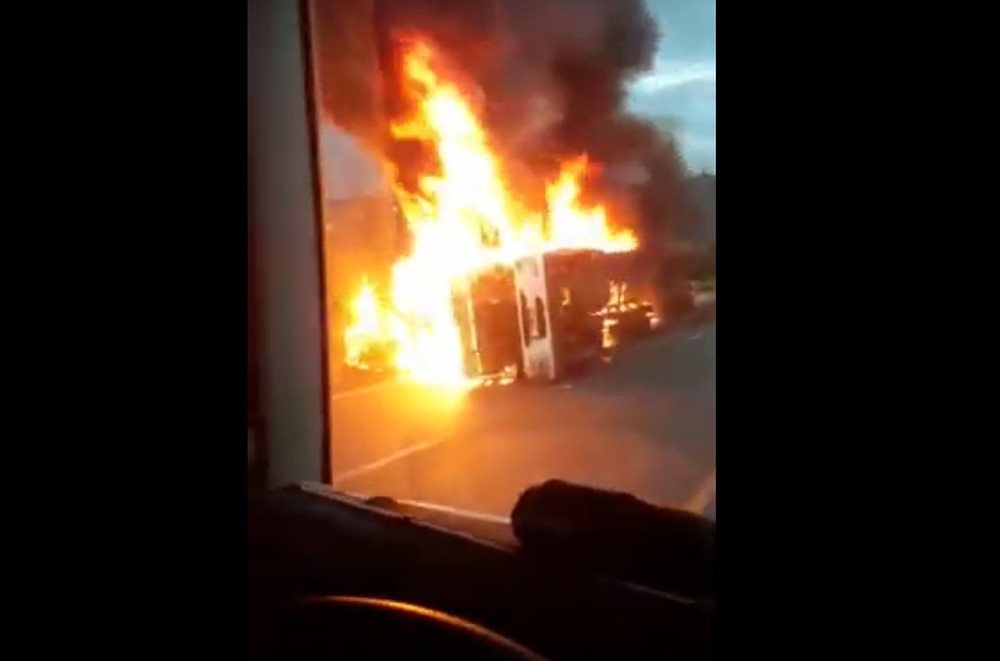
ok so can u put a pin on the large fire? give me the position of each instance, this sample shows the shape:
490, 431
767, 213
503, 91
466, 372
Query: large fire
462, 219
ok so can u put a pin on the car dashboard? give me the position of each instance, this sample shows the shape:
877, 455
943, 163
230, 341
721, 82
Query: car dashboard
308, 541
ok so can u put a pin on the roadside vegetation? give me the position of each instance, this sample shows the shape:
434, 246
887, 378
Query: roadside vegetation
704, 272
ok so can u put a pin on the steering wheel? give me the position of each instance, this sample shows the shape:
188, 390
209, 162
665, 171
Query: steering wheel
363, 627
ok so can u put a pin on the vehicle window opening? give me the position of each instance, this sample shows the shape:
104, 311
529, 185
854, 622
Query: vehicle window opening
540, 313
525, 320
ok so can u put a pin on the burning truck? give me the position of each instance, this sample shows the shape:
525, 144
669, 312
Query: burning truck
491, 287
547, 315
541, 318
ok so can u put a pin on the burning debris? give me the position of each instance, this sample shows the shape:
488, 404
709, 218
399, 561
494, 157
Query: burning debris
625, 317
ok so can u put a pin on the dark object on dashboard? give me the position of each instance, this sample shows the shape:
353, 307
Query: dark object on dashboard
617, 534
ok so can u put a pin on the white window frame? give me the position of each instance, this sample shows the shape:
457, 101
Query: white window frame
284, 212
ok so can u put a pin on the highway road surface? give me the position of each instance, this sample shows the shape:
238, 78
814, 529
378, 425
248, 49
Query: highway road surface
643, 424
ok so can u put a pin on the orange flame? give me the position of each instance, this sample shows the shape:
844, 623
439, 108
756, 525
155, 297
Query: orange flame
463, 219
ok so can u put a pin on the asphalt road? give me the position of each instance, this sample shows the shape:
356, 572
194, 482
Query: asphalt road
643, 424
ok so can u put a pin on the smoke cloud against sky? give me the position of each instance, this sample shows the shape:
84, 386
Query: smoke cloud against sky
559, 78
681, 83
661, 65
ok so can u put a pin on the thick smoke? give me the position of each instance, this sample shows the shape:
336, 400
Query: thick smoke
584, 52
554, 74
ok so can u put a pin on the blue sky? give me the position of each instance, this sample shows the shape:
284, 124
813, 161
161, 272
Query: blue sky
681, 85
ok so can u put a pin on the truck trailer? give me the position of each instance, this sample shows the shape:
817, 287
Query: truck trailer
540, 318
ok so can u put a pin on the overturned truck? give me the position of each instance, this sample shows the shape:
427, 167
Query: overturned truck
546, 315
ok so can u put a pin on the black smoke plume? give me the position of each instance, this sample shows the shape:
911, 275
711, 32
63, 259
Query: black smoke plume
554, 74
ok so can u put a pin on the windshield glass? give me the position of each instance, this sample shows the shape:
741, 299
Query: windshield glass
519, 243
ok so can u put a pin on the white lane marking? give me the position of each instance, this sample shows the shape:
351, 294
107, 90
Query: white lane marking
481, 516
361, 391
696, 337
700, 501
385, 461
